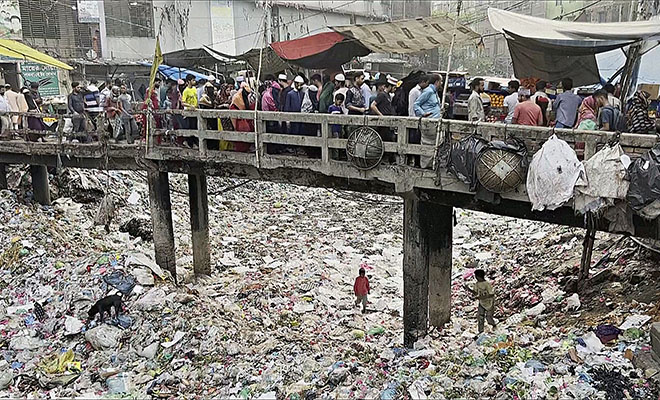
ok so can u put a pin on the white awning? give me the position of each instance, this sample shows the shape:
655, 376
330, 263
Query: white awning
546, 29
408, 35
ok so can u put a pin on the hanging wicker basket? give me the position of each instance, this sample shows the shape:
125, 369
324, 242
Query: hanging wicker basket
501, 170
364, 148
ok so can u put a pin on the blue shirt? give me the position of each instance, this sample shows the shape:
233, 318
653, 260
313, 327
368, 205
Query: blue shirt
427, 102
566, 106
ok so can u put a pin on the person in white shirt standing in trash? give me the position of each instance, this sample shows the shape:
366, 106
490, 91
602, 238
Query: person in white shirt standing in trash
475, 104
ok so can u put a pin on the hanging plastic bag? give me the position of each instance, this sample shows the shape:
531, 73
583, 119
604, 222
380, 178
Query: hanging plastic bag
463, 159
644, 193
605, 181
553, 173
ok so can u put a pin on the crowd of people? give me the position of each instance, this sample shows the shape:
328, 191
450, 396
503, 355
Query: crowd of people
25, 99
600, 111
355, 93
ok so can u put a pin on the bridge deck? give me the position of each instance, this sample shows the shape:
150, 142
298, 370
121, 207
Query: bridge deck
394, 179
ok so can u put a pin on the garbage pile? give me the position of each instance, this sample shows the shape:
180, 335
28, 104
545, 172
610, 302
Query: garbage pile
277, 318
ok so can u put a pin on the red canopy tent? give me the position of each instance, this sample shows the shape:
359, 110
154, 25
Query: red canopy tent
323, 50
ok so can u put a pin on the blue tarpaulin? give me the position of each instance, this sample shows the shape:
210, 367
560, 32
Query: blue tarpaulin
176, 72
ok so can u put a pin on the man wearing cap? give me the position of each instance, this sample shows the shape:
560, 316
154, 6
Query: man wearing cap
76, 106
284, 89
355, 103
527, 112
340, 87
326, 96
293, 103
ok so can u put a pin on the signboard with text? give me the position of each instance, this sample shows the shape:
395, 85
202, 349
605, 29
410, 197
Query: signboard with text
46, 75
88, 11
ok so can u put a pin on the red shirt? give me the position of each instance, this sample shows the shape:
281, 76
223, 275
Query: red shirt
361, 286
528, 113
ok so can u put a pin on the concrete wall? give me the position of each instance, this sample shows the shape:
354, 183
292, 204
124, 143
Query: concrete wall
288, 23
199, 30
131, 48
236, 26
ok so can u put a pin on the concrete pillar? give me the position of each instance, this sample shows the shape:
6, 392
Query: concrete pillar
161, 219
440, 225
415, 273
199, 221
40, 188
3, 177
427, 241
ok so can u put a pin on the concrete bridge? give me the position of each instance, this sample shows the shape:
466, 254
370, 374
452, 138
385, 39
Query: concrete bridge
429, 198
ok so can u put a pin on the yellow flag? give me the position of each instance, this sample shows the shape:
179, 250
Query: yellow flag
158, 59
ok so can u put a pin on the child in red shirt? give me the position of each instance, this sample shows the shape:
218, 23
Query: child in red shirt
361, 289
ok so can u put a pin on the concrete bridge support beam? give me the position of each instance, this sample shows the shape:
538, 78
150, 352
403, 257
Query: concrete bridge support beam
3, 177
199, 220
427, 230
440, 224
40, 188
161, 220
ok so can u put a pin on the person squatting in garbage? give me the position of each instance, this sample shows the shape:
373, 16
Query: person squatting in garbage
361, 290
486, 296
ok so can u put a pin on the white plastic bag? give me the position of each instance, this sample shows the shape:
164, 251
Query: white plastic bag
605, 181
553, 173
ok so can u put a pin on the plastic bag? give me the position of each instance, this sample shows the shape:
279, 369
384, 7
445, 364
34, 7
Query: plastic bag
553, 174
463, 159
605, 181
120, 281
644, 192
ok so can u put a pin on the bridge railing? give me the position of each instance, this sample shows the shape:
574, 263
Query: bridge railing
586, 143
161, 141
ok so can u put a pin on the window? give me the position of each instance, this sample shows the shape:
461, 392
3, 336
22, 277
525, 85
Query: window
39, 19
129, 18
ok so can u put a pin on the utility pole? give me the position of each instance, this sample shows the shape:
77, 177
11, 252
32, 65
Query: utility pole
633, 58
105, 51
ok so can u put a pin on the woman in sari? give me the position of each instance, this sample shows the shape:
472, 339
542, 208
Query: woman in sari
244, 99
587, 115
223, 102
638, 114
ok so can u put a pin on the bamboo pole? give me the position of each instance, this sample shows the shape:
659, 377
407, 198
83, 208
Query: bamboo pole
446, 83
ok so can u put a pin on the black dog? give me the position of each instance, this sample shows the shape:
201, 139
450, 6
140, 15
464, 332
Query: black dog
103, 305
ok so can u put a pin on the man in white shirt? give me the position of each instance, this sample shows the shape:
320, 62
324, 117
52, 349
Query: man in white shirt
511, 101
415, 92
105, 93
611, 98
4, 107
366, 89
475, 104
